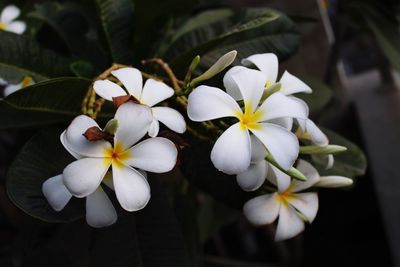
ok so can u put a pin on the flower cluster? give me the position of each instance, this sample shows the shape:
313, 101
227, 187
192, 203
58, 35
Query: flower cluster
118, 147
263, 123
270, 123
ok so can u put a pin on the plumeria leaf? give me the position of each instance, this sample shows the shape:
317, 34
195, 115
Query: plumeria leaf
57, 100
117, 19
20, 56
248, 32
320, 96
350, 163
41, 158
70, 23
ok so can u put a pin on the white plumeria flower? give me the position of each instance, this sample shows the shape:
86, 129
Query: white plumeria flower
152, 93
8, 22
232, 151
11, 88
252, 178
289, 84
83, 177
289, 203
100, 212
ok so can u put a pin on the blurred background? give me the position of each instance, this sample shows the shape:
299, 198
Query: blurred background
353, 46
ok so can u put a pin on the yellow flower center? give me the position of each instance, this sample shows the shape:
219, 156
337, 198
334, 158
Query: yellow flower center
3, 26
285, 197
115, 155
26, 81
249, 119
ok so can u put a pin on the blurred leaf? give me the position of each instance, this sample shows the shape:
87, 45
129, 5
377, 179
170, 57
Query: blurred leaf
212, 216
320, 96
152, 21
42, 157
82, 69
388, 38
250, 31
351, 163
61, 97
117, 19
20, 56
70, 23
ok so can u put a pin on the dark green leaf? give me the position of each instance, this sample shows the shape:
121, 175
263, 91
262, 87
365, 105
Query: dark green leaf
351, 163
59, 98
20, 55
82, 69
41, 158
249, 32
320, 96
70, 22
117, 19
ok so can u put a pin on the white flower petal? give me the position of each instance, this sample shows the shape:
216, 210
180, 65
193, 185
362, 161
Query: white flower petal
258, 150
231, 153
281, 143
170, 118
107, 89
154, 128
77, 143
131, 188
262, 209
64, 143
286, 123
252, 178
154, 92
310, 172
306, 204
11, 88
289, 224
9, 13
56, 193
100, 212
82, 177
292, 85
334, 181
280, 106
133, 123
132, 79
330, 161
277, 177
208, 103
267, 63
156, 154
230, 85
251, 84
316, 135
17, 27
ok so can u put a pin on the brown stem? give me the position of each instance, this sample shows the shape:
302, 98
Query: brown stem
175, 82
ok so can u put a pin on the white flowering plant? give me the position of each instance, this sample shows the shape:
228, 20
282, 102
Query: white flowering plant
138, 114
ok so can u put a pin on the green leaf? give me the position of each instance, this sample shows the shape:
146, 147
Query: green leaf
320, 96
350, 163
60, 99
117, 19
212, 216
249, 32
71, 23
20, 56
153, 19
42, 157
82, 69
